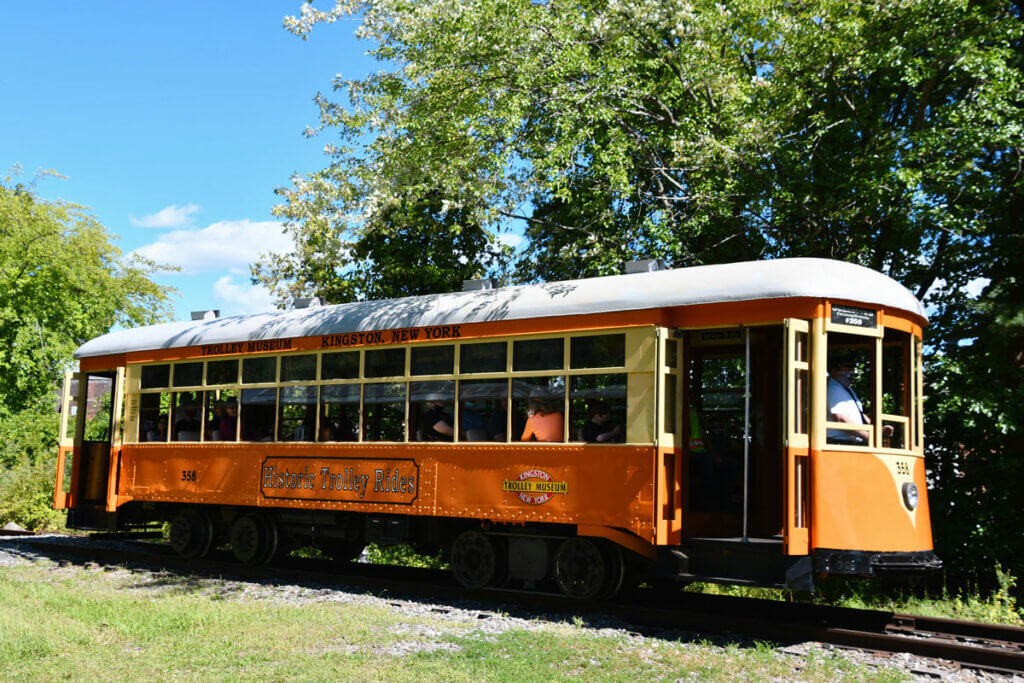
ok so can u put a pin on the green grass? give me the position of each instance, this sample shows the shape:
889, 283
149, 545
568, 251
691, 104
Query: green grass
88, 624
998, 607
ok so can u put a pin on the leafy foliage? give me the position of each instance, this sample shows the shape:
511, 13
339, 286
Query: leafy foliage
886, 134
405, 556
418, 245
689, 131
61, 282
26, 496
28, 436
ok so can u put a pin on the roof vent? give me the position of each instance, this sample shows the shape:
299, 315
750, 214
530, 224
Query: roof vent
315, 302
478, 285
647, 265
211, 314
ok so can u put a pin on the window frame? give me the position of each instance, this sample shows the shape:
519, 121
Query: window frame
457, 376
912, 422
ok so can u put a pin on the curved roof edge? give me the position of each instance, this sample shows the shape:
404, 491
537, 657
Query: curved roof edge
752, 280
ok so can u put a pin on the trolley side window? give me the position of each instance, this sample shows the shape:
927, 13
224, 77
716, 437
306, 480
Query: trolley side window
870, 389
598, 408
563, 387
384, 412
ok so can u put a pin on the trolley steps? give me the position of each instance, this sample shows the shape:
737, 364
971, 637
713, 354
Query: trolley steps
754, 561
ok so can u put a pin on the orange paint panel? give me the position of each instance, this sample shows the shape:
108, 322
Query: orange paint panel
567, 484
100, 363
632, 543
901, 323
60, 499
857, 502
668, 512
797, 537
742, 312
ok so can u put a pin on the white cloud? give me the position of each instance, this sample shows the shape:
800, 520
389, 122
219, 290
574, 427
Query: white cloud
241, 298
170, 217
227, 245
511, 239
976, 286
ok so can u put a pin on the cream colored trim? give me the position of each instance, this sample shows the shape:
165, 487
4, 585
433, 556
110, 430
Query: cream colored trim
876, 404
819, 375
847, 427
793, 327
65, 410
132, 399
117, 409
919, 398
877, 331
83, 395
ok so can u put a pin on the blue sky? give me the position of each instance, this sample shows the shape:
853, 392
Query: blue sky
173, 123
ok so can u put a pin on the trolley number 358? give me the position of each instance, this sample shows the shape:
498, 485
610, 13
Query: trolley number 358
189, 475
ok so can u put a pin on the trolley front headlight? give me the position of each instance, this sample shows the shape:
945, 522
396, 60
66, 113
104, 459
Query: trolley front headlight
910, 495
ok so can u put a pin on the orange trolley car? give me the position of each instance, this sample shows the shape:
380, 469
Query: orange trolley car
678, 421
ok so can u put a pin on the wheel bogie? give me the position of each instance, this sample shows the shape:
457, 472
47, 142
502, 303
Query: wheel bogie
481, 556
191, 533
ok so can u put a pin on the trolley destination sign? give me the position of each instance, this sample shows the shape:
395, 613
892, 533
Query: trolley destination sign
330, 341
349, 480
857, 317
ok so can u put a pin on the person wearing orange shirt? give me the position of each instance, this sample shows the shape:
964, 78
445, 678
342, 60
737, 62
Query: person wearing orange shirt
544, 423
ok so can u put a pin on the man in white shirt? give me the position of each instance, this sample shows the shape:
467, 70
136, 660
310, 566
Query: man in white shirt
844, 405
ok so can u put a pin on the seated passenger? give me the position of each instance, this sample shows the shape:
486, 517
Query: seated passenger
228, 425
435, 423
305, 430
188, 424
473, 425
213, 426
159, 431
544, 422
599, 428
496, 423
844, 405
343, 428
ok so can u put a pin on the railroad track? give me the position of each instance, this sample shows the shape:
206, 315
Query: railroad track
973, 645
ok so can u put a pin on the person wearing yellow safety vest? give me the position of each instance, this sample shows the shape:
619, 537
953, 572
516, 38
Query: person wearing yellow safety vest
696, 437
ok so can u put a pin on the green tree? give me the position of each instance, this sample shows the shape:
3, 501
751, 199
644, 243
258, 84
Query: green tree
416, 245
62, 282
887, 134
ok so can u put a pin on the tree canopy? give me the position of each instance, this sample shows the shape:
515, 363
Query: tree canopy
887, 134
62, 281
696, 132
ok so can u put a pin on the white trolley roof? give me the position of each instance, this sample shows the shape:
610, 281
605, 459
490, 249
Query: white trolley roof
775, 279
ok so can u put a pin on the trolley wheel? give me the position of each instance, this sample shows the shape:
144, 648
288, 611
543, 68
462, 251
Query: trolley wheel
191, 533
475, 560
584, 571
253, 539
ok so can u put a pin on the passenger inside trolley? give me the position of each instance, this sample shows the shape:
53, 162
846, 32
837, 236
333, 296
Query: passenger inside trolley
601, 427
544, 422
